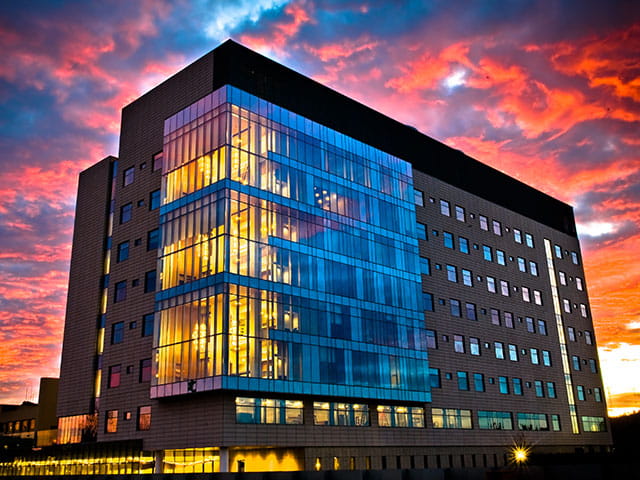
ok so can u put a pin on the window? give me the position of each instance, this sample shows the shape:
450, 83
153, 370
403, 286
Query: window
486, 253
537, 297
517, 386
467, 278
499, 349
594, 424
474, 346
579, 284
427, 301
150, 281
272, 411
551, 390
574, 258
583, 310
127, 177
346, 414
534, 356
491, 284
597, 394
454, 306
451, 418
495, 316
588, 339
532, 421
458, 343
478, 382
504, 288
517, 235
117, 333
434, 378
526, 296
533, 268
463, 244
144, 417
522, 264
513, 353
147, 325
580, 392
593, 366
448, 239
418, 198
500, 257
555, 422
558, 251
123, 251
114, 376
111, 426
562, 277
575, 361
154, 200
432, 341
421, 230
157, 161
538, 388
494, 420
546, 358
530, 326
425, 266
397, 416
452, 273
445, 208
571, 333
463, 381
153, 239
566, 305
503, 385
120, 292
145, 370
125, 212
471, 311
508, 320
484, 223
542, 327
497, 227
528, 240
460, 215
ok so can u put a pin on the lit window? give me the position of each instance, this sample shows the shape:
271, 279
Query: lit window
463, 381
546, 358
528, 240
500, 257
522, 264
467, 278
474, 346
150, 281
144, 417
551, 390
499, 349
579, 284
517, 235
486, 253
398, 416
451, 418
534, 356
125, 212
497, 227
503, 385
484, 223
566, 304
525, 294
491, 284
128, 176
154, 200
120, 292
460, 215
448, 239
562, 277
114, 376
583, 310
452, 273
471, 311
537, 297
533, 268
574, 258
345, 414
580, 392
454, 306
444, 208
513, 353
594, 424
495, 316
508, 320
458, 343
558, 251
418, 198
463, 244
111, 425
117, 333
283, 412
504, 288
157, 161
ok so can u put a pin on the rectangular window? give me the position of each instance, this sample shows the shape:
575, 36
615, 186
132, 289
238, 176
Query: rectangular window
495, 316
555, 423
463, 381
484, 222
503, 385
551, 390
445, 209
467, 278
425, 266
566, 305
537, 297
474, 346
538, 388
269, 411
458, 343
500, 257
153, 239
120, 293
593, 365
125, 212
145, 370
432, 340
558, 251
542, 327
513, 352
447, 239
532, 421
460, 215
504, 288
574, 258
491, 284
597, 394
117, 333
497, 227
594, 424
451, 418
526, 296
533, 268
546, 358
487, 253
583, 310
517, 386
528, 240
534, 356
123, 251
508, 320
418, 198
114, 376
579, 284
421, 230
575, 361
531, 328
154, 200
157, 162
111, 425
345, 414
147, 325
478, 382
588, 339
397, 416
150, 281
571, 333
517, 235
144, 417
427, 301
580, 392
522, 264
562, 277
434, 378
499, 349
494, 420
463, 244
471, 311
127, 176
452, 273
454, 307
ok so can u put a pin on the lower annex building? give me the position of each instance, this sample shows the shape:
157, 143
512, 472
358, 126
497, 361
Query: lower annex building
272, 276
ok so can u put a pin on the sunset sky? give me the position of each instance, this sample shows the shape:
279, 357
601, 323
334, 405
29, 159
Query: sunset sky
546, 91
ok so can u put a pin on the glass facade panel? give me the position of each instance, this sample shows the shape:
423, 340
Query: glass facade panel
273, 248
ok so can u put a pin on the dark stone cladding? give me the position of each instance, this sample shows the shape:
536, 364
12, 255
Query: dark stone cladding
243, 68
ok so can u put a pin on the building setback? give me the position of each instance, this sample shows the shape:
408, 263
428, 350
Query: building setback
272, 276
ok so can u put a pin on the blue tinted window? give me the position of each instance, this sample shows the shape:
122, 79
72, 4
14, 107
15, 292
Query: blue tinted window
117, 333
463, 244
486, 253
123, 251
125, 212
153, 239
154, 200
147, 325
150, 281
448, 239
427, 302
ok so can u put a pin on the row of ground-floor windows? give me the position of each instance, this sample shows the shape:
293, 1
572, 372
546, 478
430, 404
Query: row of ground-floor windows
289, 412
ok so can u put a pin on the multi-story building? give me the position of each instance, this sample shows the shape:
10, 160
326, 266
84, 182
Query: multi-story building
274, 276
